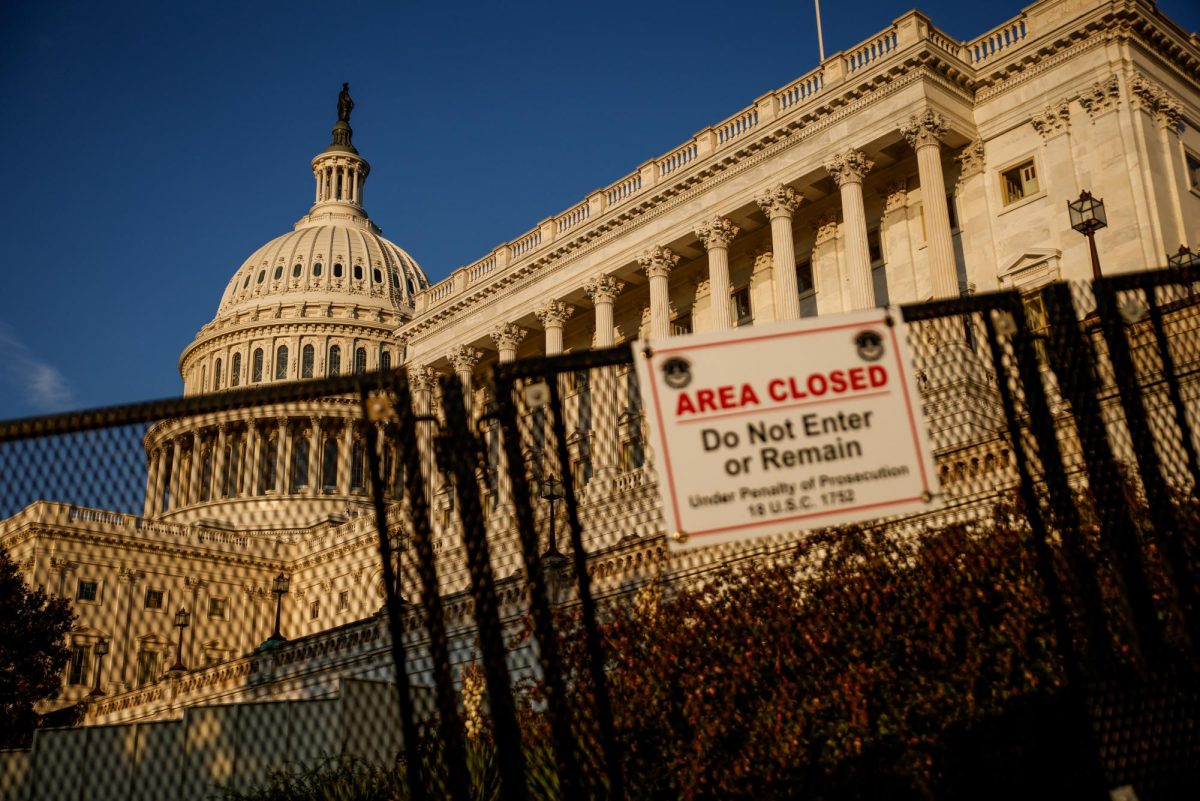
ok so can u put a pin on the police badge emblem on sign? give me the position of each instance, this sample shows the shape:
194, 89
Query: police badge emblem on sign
786, 427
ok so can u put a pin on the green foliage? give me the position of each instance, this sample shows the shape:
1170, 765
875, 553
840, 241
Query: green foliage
33, 652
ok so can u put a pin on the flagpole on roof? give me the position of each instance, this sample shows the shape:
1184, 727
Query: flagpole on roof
820, 38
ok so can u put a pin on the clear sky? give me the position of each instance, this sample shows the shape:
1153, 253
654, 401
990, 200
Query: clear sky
152, 146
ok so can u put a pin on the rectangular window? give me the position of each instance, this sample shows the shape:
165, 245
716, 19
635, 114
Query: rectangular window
874, 246
952, 210
343, 600
314, 610
218, 609
77, 669
1019, 182
804, 277
741, 306
1193, 170
147, 667
632, 455
154, 599
87, 590
681, 325
1038, 321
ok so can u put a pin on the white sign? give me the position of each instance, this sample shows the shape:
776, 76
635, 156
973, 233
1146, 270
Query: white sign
786, 427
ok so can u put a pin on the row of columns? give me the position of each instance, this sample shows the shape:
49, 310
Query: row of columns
167, 463
339, 182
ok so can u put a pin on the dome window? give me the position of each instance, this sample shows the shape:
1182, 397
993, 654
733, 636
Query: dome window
360, 360
235, 370
377, 274
358, 272
410, 287
296, 270
385, 359
337, 270
217, 375
281, 363
335, 360
306, 361
257, 372
396, 280
279, 272
261, 275
246, 283
317, 270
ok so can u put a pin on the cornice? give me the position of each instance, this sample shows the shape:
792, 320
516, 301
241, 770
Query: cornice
283, 326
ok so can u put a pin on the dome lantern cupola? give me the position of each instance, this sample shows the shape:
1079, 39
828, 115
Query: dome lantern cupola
339, 170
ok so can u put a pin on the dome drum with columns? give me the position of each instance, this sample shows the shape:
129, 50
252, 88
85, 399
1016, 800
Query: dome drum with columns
322, 300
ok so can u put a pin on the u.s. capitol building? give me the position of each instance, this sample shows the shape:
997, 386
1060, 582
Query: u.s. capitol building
910, 167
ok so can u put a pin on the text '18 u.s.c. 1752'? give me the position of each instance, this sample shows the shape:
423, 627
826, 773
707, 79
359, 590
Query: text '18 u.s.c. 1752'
786, 427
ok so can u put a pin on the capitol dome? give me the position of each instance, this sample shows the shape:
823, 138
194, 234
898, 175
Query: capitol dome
325, 299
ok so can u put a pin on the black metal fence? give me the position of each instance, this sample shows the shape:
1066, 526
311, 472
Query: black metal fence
1035, 636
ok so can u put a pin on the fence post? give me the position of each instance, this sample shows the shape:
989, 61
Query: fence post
458, 451
1073, 363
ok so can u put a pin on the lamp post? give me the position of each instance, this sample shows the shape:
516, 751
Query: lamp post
101, 651
552, 490
1087, 217
1184, 258
183, 619
279, 586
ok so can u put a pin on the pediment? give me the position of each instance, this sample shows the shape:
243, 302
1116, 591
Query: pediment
1032, 268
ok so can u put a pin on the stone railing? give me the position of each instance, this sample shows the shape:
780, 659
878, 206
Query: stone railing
911, 31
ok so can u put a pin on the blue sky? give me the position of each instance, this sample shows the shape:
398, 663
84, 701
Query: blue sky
151, 147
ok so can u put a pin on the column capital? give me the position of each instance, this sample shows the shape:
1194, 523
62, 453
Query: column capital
925, 129
194, 583
779, 201
1170, 114
554, 313
716, 233
1055, 120
603, 288
422, 378
849, 167
972, 159
1104, 96
1146, 93
895, 197
658, 261
464, 358
507, 336
129, 576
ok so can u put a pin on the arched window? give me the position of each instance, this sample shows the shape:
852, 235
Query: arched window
257, 374
337, 270
261, 275
246, 283
203, 376
296, 270
360, 360
306, 361
329, 466
335, 360
281, 359
279, 272
317, 270
358, 272
235, 370
356, 467
377, 274
217, 375
385, 359
266, 465
299, 463
206, 474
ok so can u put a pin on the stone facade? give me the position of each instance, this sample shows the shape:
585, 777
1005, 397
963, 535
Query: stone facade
910, 167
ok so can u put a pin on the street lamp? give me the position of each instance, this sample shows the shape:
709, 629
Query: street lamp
1185, 258
183, 619
1087, 217
552, 490
280, 587
101, 651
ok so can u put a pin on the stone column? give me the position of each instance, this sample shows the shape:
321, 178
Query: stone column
658, 263
975, 217
250, 460
507, 338
924, 134
778, 203
463, 359
1169, 114
153, 466
129, 578
603, 291
848, 171
715, 235
553, 315
314, 456
345, 455
192, 493
175, 482
421, 381
221, 464
902, 279
283, 452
